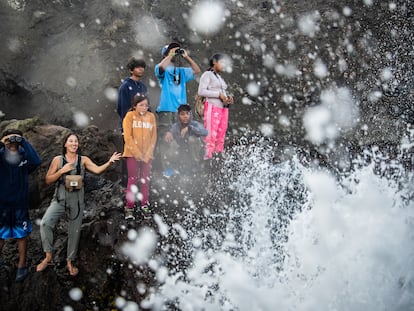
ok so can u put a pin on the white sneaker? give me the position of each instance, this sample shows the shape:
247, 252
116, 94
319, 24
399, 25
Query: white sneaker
146, 211
129, 213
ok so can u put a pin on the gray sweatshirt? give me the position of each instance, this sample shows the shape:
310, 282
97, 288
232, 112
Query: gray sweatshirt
194, 129
210, 86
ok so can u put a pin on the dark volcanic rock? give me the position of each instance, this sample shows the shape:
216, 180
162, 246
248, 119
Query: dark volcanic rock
101, 234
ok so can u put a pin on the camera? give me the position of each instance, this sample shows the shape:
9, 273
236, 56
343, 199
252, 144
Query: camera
73, 182
15, 139
179, 52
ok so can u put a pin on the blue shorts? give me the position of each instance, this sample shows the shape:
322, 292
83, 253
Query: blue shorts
17, 231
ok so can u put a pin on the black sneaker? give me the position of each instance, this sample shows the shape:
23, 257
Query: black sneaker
21, 274
146, 211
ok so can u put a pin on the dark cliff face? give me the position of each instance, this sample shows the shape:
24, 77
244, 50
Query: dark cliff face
62, 58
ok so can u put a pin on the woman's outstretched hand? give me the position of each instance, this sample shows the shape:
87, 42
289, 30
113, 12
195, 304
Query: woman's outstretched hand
115, 157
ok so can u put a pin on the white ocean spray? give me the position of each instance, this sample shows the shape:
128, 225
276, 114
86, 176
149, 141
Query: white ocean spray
299, 238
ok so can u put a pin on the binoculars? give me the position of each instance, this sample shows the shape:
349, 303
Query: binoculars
179, 52
15, 139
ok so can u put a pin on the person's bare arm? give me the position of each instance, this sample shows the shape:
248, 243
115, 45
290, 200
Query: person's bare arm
93, 168
54, 172
167, 59
193, 64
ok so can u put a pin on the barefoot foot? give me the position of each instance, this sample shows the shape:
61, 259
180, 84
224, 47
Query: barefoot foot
43, 265
73, 271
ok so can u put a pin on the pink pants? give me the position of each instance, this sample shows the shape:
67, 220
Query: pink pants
215, 121
138, 176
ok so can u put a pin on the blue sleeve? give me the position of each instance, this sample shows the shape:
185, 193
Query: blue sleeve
197, 129
33, 159
187, 73
123, 101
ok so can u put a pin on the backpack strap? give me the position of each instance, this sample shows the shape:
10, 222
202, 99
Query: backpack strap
61, 180
63, 162
78, 165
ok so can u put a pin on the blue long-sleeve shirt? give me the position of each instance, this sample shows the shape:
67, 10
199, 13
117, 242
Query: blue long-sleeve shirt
14, 176
128, 89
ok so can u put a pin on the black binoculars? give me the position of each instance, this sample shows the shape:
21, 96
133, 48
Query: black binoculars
15, 139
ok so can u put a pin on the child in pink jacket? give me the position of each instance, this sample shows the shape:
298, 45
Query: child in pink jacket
213, 88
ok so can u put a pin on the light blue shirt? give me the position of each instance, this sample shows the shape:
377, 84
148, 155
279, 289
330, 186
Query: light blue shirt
173, 94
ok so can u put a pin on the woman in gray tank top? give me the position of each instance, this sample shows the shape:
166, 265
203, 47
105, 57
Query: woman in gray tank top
68, 198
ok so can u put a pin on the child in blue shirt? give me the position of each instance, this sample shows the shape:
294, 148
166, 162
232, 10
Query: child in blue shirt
172, 78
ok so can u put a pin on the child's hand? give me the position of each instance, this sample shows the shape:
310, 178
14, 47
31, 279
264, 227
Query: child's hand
184, 131
168, 137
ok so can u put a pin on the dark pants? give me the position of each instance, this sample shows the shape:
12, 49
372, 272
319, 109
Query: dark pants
186, 159
164, 122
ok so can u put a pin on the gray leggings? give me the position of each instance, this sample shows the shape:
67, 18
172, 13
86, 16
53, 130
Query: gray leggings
54, 212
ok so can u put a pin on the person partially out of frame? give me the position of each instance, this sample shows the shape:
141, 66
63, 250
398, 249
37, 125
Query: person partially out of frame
18, 159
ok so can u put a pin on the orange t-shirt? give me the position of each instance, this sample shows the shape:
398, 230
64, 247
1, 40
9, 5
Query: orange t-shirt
140, 135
